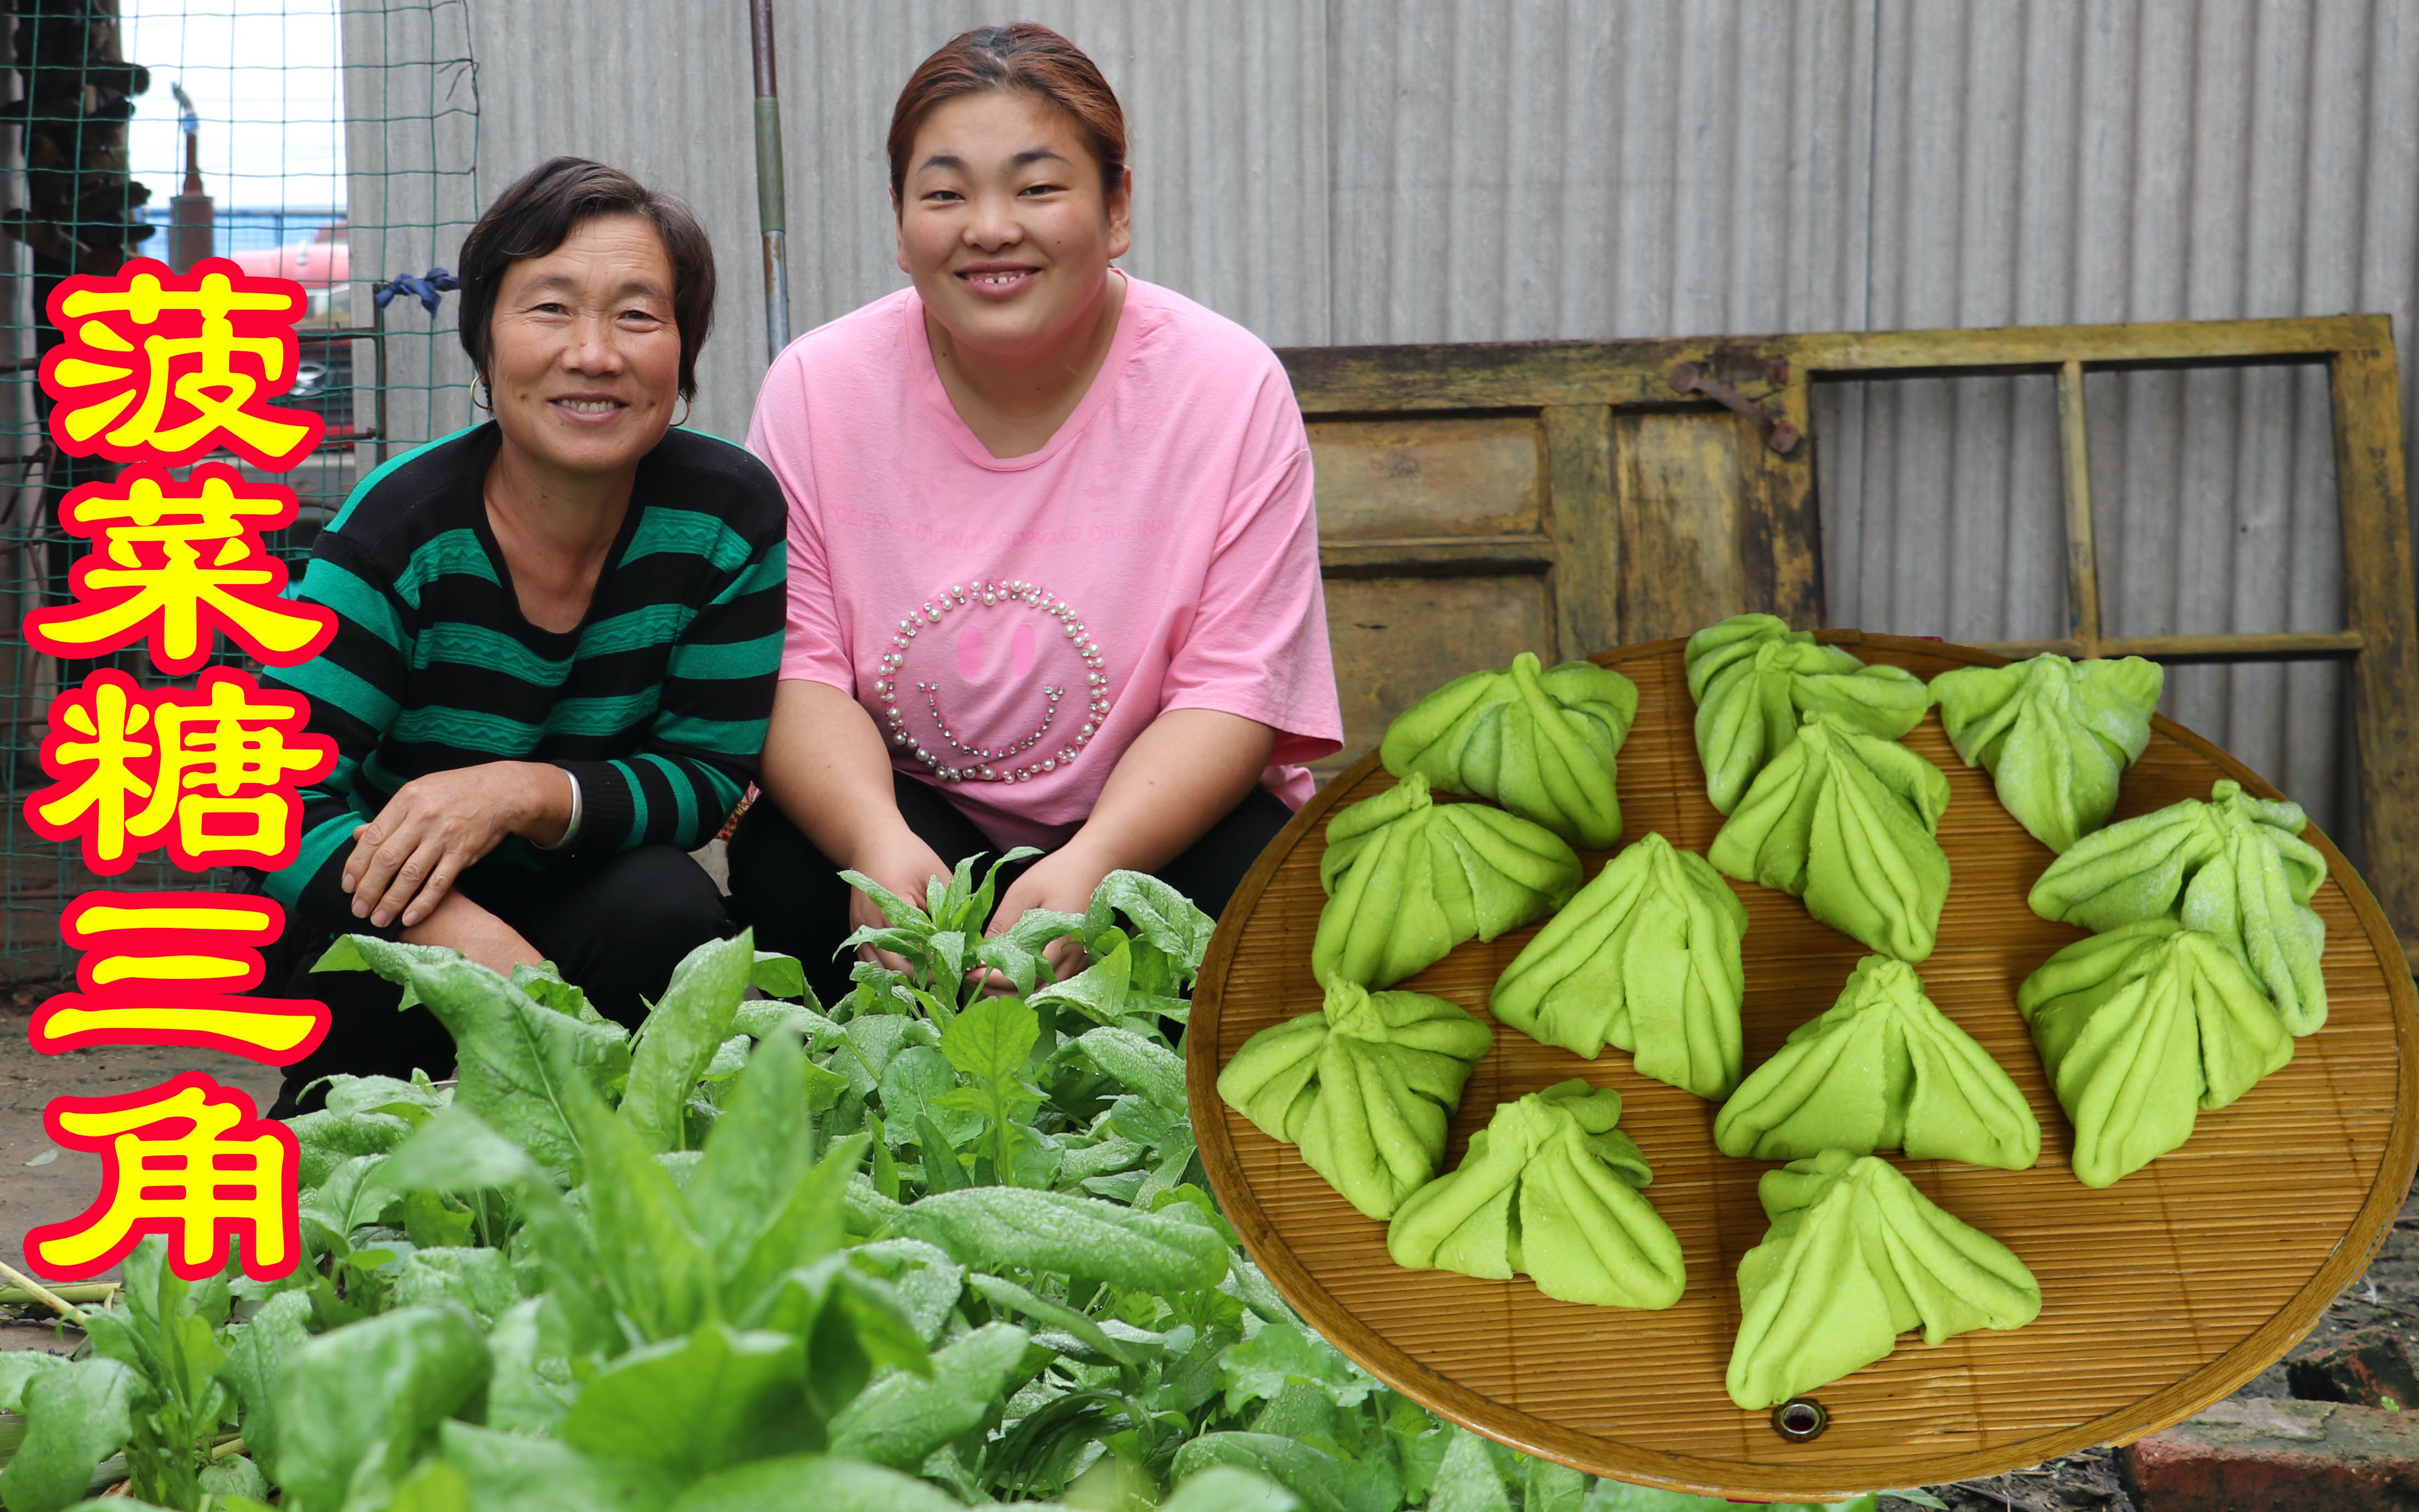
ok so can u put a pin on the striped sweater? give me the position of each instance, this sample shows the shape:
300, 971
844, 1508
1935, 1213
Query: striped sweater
658, 702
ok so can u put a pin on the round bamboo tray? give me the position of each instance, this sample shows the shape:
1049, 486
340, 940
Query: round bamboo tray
2161, 1294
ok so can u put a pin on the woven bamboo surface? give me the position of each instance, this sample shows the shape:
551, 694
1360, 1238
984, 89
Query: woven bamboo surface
2161, 1294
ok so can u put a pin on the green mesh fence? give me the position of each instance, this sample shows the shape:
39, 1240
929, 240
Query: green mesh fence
333, 141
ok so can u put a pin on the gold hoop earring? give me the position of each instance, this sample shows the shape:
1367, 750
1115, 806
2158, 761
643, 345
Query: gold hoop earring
685, 407
488, 403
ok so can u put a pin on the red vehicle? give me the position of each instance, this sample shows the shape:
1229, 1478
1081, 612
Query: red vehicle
322, 266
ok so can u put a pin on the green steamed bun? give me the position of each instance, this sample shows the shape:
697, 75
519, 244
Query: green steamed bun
1548, 1190
2139, 1028
1856, 1256
1646, 958
2234, 867
1844, 820
1407, 880
1365, 1088
1539, 743
1755, 680
1882, 1069
2055, 735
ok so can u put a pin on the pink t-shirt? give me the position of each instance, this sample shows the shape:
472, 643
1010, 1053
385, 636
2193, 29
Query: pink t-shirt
1012, 624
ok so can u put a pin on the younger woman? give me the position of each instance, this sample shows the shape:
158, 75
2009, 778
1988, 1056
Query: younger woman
1053, 565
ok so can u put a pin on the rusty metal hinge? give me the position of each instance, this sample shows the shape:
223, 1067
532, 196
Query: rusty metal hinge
1778, 433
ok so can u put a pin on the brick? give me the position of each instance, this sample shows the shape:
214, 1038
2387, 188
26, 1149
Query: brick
2368, 1367
2278, 1455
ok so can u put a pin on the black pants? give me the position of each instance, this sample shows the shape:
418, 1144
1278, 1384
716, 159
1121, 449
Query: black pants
615, 924
792, 894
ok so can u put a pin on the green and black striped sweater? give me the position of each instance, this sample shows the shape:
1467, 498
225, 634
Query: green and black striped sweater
658, 702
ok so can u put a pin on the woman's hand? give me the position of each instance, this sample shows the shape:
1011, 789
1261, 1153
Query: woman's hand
900, 861
1064, 881
437, 827
825, 765
459, 924
1181, 776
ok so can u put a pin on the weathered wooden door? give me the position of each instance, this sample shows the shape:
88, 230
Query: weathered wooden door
1561, 497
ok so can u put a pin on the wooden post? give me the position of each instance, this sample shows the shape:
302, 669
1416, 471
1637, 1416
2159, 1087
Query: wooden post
1586, 536
2379, 608
1780, 517
2082, 555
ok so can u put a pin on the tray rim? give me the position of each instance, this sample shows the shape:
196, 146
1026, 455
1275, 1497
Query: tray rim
1609, 1458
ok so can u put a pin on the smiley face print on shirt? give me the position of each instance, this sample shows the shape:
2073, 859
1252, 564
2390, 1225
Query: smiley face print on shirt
979, 682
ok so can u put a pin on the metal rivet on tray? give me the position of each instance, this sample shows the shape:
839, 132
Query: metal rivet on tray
1799, 1419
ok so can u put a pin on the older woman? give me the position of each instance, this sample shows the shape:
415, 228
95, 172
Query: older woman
1054, 566
558, 634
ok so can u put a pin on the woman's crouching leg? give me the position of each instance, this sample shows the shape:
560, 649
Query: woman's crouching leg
790, 894
366, 1035
615, 925
1211, 869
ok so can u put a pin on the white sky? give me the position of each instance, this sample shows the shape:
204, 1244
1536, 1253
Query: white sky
266, 80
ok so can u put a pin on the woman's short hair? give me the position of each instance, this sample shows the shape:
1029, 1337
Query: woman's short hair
540, 211
1024, 56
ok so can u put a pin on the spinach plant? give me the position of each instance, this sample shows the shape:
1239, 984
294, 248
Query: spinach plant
928, 1247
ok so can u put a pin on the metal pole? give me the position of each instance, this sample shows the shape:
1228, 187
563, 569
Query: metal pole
771, 214
192, 218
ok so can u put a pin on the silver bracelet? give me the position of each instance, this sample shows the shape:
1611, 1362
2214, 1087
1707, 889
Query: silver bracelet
571, 830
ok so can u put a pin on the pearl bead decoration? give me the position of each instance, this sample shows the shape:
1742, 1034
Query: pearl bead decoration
963, 762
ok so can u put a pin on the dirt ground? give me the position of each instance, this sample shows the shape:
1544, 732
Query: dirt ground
41, 1182
2386, 1297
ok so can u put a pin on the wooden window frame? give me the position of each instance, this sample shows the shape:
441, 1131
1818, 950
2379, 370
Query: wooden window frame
1579, 387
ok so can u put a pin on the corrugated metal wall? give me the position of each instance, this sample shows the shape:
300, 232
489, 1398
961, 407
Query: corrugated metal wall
2054, 163
1366, 171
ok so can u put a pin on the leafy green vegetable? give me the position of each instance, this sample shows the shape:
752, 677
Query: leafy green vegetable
1059, 1231
390, 959
712, 1398
423, 1364
508, 1473
812, 1484
1227, 1488
988, 1044
781, 976
517, 1061
1468, 1480
900, 1419
528, 1390
944, 939
682, 1035
1264, 1364
1320, 1481
257, 1360
928, 1247
76, 1417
